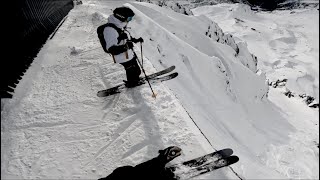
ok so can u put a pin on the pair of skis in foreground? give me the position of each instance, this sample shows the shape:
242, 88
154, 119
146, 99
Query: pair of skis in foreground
203, 164
153, 78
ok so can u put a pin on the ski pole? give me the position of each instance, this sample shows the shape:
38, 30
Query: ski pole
141, 53
154, 95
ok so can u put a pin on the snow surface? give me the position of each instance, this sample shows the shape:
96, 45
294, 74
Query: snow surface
56, 127
287, 46
285, 42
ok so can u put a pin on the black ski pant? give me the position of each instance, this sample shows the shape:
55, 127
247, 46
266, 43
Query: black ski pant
132, 70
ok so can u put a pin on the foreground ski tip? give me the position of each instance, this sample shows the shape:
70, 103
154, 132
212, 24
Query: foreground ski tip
203, 164
215, 165
208, 157
186, 172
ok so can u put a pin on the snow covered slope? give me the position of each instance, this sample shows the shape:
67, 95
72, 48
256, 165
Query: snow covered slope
56, 127
287, 46
286, 42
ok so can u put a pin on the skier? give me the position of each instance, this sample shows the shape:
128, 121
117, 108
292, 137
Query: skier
152, 169
120, 46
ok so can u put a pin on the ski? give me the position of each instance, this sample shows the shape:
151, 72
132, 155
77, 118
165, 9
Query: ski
121, 87
191, 172
206, 158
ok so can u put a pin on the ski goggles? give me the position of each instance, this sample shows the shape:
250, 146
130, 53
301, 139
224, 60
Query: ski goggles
129, 18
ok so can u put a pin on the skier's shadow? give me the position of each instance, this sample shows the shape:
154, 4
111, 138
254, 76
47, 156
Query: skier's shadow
150, 125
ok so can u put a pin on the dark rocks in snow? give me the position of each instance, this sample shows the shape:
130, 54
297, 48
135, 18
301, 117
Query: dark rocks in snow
278, 83
215, 32
314, 105
159, 48
289, 94
255, 59
221, 67
247, 59
309, 100
302, 95
238, 20
183, 8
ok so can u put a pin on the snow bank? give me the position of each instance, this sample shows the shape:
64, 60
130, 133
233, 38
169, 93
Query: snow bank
286, 44
223, 96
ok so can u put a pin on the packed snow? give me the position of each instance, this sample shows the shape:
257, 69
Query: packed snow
55, 127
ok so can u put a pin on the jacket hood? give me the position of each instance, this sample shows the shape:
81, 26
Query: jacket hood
117, 22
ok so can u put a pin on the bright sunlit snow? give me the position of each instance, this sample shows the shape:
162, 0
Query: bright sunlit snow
55, 127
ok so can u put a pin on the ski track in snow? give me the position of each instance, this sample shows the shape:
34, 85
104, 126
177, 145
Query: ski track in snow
60, 129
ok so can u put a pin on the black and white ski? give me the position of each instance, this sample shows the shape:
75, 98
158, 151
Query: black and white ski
120, 88
190, 172
203, 164
113, 90
206, 158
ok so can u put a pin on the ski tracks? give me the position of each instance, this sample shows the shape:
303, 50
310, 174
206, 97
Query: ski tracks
75, 129
137, 123
116, 135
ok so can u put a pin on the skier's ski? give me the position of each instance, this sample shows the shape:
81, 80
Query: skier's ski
121, 87
188, 172
151, 76
159, 73
205, 159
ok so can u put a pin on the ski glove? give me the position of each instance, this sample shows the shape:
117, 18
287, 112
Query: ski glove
122, 36
137, 40
115, 50
129, 45
169, 153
